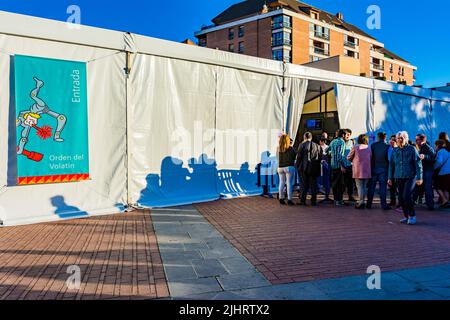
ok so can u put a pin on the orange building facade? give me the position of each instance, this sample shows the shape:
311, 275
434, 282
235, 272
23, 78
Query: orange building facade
294, 32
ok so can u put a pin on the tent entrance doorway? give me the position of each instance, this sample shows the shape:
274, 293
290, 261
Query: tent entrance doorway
319, 112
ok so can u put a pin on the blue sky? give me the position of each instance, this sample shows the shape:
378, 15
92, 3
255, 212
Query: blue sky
411, 29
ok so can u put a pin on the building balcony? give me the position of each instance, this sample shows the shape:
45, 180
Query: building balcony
321, 35
353, 56
376, 53
321, 51
350, 44
281, 42
377, 66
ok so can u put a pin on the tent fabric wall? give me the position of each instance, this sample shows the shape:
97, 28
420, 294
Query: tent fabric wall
248, 122
371, 111
106, 191
395, 112
294, 102
179, 157
440, 118
355, 110
440, 96
172, 115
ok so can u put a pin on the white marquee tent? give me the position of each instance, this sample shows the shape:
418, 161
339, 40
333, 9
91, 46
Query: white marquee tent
222, 112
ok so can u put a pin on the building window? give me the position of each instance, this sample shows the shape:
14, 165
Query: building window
351, 54
314, 58
378, 64
279, 22
320, 32
231, 47
241, 48
315, 15
278, 55
241, 31
351, 42
282, 55
230, 34
319, 47
202, 42
391, 68
281, 39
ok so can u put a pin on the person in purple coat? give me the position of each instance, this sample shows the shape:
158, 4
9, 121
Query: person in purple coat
361, 157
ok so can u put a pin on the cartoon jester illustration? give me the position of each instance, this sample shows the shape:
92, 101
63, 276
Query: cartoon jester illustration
28, 119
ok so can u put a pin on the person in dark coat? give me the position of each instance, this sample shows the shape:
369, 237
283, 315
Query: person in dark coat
308, 166
428, 157
380, 169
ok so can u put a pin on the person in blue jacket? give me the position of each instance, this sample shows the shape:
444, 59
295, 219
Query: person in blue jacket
406, 169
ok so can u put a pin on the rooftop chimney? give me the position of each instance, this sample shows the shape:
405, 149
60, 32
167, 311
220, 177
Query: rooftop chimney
340, 15
265, 8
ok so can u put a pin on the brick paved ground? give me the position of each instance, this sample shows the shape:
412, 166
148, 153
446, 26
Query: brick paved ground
292, 244
118, 256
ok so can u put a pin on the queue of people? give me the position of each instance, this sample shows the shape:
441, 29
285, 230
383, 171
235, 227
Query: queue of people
412, 171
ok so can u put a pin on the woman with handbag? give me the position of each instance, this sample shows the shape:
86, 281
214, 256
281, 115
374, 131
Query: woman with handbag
442, 173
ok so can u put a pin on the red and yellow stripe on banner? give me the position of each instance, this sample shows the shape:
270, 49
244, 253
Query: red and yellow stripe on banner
53, 179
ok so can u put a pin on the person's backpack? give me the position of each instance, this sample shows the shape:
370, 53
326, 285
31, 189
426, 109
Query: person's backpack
312, 167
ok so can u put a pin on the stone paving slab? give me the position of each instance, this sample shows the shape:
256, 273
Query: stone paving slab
200, 260
175, 273
394, 287
185, 287
247, 280
236, 265
209, 268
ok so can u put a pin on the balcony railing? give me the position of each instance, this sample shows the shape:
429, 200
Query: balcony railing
376, 50
350, 44
354, 56
377, 66
281, 42
321, 35
322, 51
280, 25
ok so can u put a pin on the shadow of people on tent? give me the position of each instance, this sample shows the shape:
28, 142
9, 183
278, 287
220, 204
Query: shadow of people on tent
180, 184
236, 183
64, 211
173, 175
203, 171
244, 182
269, 177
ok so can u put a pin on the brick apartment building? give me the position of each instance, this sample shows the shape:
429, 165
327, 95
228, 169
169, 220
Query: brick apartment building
295, 32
